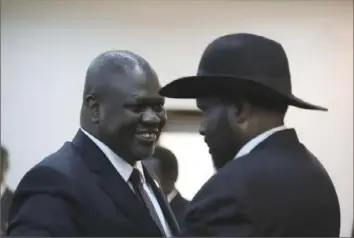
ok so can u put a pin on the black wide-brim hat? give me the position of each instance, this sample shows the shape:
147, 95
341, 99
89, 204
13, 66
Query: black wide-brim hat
240, 64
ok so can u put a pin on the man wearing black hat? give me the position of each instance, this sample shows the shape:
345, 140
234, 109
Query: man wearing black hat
268, 183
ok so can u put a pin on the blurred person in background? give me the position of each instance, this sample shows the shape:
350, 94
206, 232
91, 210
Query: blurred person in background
6, 192
95, 185
268, 183
164, 165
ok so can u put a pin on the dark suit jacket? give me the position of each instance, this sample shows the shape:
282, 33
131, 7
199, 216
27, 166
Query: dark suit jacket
279, 189
179, 207
77, 192
6, 200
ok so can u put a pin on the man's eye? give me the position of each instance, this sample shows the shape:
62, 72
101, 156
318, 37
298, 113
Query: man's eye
141, 108
137, 108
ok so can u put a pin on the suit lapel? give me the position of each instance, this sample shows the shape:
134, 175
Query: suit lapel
114, 185
165, 207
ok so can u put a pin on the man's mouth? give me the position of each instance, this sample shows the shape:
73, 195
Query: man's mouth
147, 136
208, 144
206, 141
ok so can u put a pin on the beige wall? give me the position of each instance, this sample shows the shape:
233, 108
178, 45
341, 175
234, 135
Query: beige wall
47, 45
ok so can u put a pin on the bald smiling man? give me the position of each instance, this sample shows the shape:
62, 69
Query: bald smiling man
96, 184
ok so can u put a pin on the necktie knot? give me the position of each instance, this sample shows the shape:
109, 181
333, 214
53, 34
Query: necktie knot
135, 177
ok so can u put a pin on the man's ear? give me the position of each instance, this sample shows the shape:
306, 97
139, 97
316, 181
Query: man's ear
93, 108
243, 111
244, 115
240, 113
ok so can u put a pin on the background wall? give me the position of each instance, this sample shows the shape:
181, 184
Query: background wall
46, 47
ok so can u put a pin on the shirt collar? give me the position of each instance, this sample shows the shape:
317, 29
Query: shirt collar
123, 168
172, 195
3, 188
249, 146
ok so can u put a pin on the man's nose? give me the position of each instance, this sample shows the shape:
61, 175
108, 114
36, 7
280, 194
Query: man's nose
150, 117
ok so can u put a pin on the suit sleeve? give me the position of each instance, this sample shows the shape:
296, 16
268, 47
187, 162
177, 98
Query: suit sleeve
212, 214
43, 206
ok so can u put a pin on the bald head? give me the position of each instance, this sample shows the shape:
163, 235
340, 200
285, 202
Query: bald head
117, 65
121, 104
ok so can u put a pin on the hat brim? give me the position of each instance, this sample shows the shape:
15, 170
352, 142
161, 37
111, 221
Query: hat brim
193, 87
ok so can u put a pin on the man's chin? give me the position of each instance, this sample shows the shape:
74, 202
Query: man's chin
145, 152
219, 161
142, 151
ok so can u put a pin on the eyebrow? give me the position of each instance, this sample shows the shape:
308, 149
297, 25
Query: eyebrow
150, 100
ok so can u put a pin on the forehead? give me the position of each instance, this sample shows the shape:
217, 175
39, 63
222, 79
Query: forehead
138, 82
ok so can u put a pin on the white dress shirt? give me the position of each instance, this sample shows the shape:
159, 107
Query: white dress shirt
3, 188
249, 146
125, 170
172, 195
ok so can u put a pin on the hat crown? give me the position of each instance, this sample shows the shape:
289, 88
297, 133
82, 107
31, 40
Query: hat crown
247, 56
240, 63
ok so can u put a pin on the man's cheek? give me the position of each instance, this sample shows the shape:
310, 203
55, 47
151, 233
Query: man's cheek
216, 120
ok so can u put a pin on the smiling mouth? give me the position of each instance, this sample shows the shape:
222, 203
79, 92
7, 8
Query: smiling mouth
146, 136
